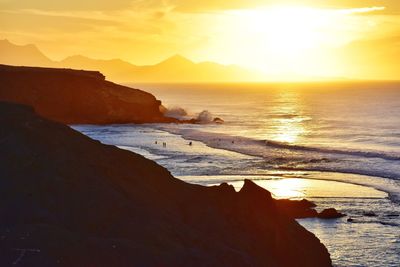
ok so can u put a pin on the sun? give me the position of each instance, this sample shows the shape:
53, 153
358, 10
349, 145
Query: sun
286, 30
289, 38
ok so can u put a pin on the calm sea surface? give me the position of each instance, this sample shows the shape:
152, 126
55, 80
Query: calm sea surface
285, 135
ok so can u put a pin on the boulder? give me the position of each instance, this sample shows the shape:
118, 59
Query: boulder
218, 120
330, 213
298, 208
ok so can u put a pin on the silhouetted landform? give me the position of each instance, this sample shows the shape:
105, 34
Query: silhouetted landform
330, 213
174, 69
218, 120
27, 55
78, 97
298, 209
68, 200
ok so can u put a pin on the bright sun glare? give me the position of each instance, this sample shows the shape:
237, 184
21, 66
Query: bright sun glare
293, 30
289, 38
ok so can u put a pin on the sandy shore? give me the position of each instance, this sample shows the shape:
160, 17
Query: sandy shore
297, 188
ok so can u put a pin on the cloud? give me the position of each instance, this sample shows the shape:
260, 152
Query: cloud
362, 10
187, 5
65, 5
216, 5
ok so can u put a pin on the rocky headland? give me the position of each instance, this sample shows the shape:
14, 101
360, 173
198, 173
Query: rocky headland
78, 96
68, 200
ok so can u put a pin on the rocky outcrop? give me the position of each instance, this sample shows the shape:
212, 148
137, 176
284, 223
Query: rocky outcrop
304, 208
330, 213
298, 208
68, 200
77, 97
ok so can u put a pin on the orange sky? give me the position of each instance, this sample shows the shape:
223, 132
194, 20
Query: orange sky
288, 39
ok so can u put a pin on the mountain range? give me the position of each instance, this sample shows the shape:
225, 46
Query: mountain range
174, 69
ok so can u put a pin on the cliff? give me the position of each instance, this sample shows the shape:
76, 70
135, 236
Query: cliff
77, 97
68, 200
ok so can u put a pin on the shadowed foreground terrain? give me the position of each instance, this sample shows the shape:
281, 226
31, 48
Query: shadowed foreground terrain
68, 200
77, 96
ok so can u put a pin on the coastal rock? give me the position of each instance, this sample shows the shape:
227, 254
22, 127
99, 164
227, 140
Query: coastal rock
77, 96
330, 213
218, 120
298, 208
68, 200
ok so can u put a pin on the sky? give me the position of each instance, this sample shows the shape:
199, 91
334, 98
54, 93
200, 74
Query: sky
291, 39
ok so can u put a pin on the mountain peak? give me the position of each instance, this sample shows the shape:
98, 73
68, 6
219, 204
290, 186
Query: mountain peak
75, 57
176, 60
28, 54
5, 41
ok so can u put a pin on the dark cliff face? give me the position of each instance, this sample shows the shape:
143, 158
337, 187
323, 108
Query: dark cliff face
68, 200
77, 97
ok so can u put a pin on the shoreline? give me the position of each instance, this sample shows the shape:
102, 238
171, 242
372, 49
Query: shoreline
254, 142
393, 196
275, 176
381, 183
263, 182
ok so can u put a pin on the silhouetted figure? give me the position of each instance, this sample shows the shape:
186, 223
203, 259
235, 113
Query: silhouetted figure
190, 143
233, 142
155, 142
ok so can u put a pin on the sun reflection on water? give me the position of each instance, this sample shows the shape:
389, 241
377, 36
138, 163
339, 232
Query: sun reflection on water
286, 188
288, 117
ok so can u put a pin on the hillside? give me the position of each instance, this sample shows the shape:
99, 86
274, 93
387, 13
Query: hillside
68, 200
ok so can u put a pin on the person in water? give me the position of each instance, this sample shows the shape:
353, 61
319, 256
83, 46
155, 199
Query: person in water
190, 143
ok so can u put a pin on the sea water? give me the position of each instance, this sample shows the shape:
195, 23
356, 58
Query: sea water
336, 144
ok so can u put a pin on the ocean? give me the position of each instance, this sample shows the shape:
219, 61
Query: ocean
337, 144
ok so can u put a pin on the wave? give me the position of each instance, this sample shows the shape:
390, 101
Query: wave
237, 143
282, 156
367, 154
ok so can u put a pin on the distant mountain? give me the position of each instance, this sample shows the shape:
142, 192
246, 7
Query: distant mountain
174, 69
114, 69
27, 55
178, 68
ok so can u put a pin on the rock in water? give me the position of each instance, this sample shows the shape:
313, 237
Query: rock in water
218, 120
78, 97
68, 200
330, 213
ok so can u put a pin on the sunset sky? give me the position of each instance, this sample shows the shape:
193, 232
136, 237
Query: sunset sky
304, 38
